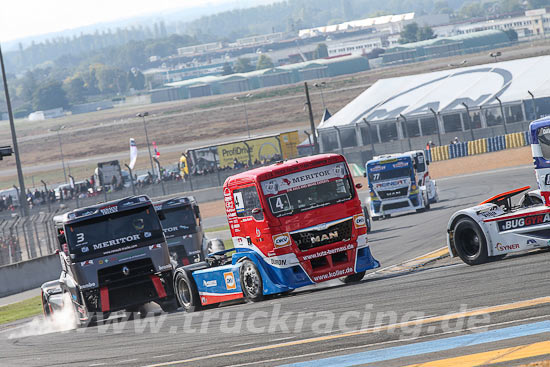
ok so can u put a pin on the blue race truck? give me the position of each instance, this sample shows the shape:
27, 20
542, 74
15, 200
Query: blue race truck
399, 183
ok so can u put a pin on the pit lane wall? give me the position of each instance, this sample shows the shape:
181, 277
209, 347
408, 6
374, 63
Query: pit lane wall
25, 275
479, 146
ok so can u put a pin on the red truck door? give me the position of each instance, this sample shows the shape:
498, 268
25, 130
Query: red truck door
249, 225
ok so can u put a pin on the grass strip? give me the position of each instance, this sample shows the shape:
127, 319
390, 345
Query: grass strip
216, 229
20, 310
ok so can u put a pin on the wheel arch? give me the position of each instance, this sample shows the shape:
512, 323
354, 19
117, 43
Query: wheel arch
270, 284
450, 231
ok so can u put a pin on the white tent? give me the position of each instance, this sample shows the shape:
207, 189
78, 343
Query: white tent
445, 91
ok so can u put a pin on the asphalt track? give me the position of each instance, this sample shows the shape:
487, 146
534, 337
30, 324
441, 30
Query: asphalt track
492, 313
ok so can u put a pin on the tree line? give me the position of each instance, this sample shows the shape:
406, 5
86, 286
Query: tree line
70, 70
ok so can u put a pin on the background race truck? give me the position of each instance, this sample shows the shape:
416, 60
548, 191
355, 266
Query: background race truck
399, 183
501, 225
182, 225
108, 175
113, 257
293, 224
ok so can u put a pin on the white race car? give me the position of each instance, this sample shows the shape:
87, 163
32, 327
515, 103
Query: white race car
497, 226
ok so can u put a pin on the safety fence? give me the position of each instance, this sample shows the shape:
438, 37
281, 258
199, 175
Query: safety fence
479, 146
25, 238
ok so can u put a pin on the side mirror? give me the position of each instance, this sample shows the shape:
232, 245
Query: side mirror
358, 186
256, 210
365, 174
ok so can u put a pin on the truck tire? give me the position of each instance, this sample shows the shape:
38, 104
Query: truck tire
470, 242
251, 282
186, 291
353, 277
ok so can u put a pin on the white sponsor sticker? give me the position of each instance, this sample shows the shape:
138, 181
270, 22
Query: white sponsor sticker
210, 283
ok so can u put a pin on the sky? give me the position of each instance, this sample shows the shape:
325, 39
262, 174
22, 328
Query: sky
24, 18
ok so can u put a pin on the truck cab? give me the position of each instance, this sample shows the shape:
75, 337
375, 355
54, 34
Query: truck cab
293, 224
113, 257
399, 183
182, 225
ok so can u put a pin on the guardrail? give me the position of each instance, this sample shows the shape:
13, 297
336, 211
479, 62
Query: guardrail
479, 146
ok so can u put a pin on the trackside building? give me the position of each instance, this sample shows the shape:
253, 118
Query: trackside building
404, 113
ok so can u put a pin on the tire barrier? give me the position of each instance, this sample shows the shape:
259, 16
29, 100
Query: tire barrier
496, 143
479, 146
515, 140
458, 150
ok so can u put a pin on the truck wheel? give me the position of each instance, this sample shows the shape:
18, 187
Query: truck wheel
353, 277
251, 282
186, 291
470, 242
170, 305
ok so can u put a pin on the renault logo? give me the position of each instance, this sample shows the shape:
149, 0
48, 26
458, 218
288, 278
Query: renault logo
125, 270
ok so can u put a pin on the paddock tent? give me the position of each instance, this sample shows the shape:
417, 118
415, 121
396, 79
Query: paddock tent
412, 98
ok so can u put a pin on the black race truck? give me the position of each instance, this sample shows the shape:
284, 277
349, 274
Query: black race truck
182, 225
114, 257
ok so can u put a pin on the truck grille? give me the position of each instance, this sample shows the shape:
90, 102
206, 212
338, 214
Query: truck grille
390, 206
335, 233
137, 269
390, 194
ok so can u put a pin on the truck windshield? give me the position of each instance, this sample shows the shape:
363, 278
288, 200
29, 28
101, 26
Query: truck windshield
179, 221
389, 173
543, 134
114, 233
307, 190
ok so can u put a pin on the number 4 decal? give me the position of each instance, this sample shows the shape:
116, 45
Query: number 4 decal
239, 202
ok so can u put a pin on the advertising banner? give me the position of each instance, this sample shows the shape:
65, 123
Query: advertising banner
255, 151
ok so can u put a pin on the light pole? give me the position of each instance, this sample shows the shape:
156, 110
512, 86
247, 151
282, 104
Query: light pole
311, 121
142, 115
437, 125
534, 105
22, 203
243, 101
503, 115
61, 150
469, 119
321, 86
310, 143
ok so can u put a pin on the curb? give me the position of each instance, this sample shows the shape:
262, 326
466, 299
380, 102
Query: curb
416, 263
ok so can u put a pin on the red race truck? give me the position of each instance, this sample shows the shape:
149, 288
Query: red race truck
293, 224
